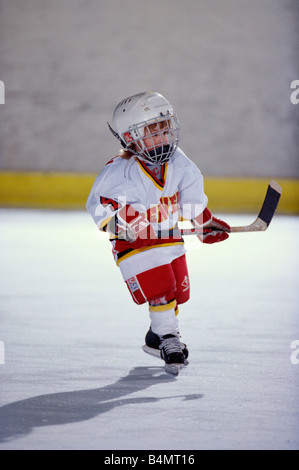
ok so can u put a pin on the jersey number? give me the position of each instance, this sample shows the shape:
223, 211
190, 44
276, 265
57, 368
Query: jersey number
110, 202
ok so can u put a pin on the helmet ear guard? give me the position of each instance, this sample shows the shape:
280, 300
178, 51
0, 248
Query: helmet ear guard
125, 145
116, 135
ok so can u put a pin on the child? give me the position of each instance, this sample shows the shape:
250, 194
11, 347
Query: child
139, 198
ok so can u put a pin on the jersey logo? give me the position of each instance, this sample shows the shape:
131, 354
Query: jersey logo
113, 205
128, 137
133, 284
186, 283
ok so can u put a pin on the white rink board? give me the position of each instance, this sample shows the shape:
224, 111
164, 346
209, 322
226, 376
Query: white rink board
75, 376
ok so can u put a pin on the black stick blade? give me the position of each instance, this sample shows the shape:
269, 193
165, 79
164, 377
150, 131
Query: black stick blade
270, 203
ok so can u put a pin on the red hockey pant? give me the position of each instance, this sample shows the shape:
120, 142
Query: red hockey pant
170, 280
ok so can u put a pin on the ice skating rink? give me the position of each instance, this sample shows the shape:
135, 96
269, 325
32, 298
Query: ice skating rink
74, 376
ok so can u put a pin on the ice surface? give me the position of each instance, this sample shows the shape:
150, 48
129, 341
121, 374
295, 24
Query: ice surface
75, 376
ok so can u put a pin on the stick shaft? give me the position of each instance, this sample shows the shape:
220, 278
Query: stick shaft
260, 224
257, 226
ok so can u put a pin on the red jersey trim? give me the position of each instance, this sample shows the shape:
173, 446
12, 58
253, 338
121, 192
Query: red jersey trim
159, 184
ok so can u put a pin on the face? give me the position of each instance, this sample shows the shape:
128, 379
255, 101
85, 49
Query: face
156, 135
159, 141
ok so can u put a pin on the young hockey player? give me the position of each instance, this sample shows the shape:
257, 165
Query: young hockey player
139, 198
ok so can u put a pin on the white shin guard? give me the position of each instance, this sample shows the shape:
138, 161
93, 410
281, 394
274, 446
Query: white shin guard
163, 323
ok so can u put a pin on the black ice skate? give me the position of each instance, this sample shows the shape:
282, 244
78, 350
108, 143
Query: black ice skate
172, 353
169, 348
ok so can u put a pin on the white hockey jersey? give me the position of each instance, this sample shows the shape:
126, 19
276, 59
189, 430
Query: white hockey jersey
178, 194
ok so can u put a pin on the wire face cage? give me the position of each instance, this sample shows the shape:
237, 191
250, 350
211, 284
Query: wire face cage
155, 140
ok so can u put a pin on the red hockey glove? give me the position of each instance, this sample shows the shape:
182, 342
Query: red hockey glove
214, 230
135, 228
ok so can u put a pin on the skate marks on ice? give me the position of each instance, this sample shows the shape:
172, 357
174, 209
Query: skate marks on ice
20, 418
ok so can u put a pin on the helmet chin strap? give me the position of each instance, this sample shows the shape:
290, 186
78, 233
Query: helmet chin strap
116, 135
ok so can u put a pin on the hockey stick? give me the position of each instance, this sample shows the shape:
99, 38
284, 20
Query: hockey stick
262, 221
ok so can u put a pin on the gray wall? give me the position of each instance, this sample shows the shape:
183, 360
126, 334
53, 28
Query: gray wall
226, 65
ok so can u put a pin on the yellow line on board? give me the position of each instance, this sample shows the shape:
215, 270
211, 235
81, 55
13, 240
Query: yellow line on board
247, 194
45, 190
70, 191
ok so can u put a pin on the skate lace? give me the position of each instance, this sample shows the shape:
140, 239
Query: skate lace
171, 345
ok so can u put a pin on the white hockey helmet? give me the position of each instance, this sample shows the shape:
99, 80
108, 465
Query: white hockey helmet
132, 118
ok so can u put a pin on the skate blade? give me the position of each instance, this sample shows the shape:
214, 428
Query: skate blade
173, 369
156, 353
151, 351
